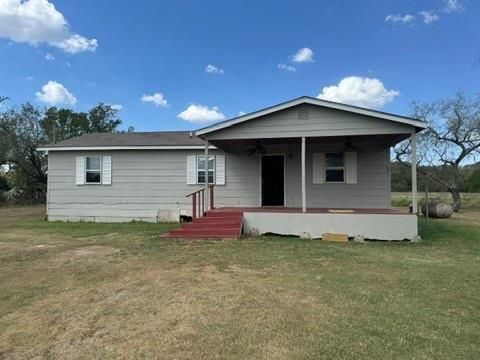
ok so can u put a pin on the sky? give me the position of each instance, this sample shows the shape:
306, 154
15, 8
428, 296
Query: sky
181, 65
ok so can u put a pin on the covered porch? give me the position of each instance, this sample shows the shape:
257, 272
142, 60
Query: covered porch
293, 193
310, 174
309, 167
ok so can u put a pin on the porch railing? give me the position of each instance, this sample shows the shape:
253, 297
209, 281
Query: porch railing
198, 201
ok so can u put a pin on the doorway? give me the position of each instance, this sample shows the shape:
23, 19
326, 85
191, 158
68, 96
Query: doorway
273, 180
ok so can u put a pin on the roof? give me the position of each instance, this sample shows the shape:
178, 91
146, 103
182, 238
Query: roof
135, 140
187, 140
313, 101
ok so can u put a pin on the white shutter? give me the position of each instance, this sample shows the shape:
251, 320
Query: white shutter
191, 169
107, 170
318, 168
220, 169
351, 167
79, 170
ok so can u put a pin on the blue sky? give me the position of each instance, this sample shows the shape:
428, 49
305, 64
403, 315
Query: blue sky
387, 52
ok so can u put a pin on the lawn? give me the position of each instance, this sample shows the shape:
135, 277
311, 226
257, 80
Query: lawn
118, 291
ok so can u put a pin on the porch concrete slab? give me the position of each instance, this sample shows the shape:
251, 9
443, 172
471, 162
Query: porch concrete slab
377, 226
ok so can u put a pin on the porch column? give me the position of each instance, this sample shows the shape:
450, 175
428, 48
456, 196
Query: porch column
207, 197
414, 172
304, 194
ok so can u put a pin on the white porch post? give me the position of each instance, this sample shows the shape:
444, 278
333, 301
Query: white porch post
414, 173
304, 195
206, 195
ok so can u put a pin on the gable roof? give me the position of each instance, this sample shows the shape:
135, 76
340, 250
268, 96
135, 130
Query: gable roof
312, 101
135, 140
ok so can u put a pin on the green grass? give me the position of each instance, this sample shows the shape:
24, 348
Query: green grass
469, 200
82, 290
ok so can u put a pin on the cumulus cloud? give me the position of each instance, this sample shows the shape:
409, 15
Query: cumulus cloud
241, 113
429, 16
400, 19
158, 99
212, 69
49, 57
201, 114
54, 93
117, 107
287, 67
38, 21
359, 91
453, 6
303, 55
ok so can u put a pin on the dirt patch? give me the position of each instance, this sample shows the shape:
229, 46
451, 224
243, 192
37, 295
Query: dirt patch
87, 254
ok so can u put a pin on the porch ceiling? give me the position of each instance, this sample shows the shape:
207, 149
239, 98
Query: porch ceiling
357, 140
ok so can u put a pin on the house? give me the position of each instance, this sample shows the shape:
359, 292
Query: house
303, 167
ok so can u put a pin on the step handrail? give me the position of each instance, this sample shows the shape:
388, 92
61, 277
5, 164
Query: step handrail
198, 201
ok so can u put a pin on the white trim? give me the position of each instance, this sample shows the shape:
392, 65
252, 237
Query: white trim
312, 101
100, 171
344, 168
96, 148
284, 178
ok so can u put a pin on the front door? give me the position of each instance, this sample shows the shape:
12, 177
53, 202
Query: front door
273, 186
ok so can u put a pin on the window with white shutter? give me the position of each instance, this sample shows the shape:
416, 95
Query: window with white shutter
219, 169
191, 169
79, 170
351, 167
107, 170
318, 168
93, 170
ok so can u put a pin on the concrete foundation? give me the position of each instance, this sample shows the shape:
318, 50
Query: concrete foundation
359, 226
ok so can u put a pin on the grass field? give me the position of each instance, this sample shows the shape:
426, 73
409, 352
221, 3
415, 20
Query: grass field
117, 291
469, 200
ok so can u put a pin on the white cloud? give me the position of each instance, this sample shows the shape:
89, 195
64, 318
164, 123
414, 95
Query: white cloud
429, 17
453, 6
49, 57
201, 114
29, 77
54, 93
359, 91
158, 99
36, 22
403, 19
212, 69
287, 67
241, 113
303, 55
117, 107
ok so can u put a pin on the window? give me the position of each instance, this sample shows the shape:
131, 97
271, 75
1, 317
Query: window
201, 169
93, 170
334, 167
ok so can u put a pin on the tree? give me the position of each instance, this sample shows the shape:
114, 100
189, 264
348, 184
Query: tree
451, 139
61, 124
23, 130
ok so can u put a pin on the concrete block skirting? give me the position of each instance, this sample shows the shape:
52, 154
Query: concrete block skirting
367, 226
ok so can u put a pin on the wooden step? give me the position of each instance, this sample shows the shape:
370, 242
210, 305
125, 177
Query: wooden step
214, 213
213, 231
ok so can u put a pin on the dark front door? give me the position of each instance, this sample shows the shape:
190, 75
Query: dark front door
273, 180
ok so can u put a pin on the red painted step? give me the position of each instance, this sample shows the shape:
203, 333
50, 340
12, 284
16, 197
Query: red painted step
224, 213
215, 224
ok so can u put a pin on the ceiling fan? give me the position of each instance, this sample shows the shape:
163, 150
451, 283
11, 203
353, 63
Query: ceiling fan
348, 146
257, 148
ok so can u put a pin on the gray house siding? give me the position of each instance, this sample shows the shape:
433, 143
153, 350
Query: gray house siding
320, 122
145, 183
372, 189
